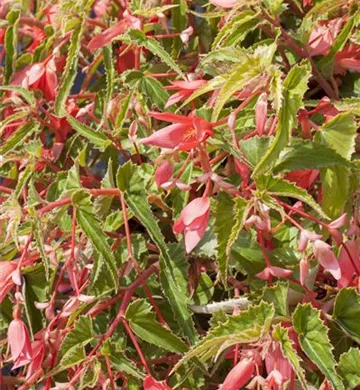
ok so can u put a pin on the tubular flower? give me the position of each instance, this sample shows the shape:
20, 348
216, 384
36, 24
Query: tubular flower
184, 88
239, 375
326, 257
184, 134
193, 222
19, 342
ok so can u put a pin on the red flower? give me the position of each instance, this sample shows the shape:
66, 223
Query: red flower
19, 342
185, 88
323, 36
239, 375
186, 133
125, 59
150, 383
104, 38
193, 222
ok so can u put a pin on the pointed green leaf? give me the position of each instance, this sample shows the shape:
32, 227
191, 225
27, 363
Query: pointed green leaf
313, 338
18, 137
347, 312
349, 368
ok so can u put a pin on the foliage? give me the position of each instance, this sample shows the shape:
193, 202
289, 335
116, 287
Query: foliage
180, 194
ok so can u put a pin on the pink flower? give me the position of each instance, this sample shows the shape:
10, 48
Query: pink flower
19, 342
260, 113
186, 34
193, 222
185, 88
186, 133
278, 272
326, 257
275, 360
349, 58
104, 38
307, 2
323, 36
304, 271
239, 375
305, 237
150, 383
7, 268
224, 3
38, 353
163, 176
347, 264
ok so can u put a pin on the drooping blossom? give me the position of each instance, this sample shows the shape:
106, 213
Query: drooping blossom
323, 36
348, 59
163, 175
224, 3
349, 261
39, 76
275, 360
336, 224
184, 88
150, 383
7, 268
260, 113
19, 342
185, 133
100, 7
186, 34
305, 237
193, 221
128, 22
239, 375
326, 257
278, 272
304, 270
38, 353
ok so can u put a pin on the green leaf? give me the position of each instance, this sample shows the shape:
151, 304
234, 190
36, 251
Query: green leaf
153, 90
140, 39
288, 350
18, 137
335, 190
93, 231
99, 139
278, 296
347, 312
315, 343
295, 86
91, 375
309, 155
120, 363
10, 44
349, 368
350, 104
110, 77
235, 31
339, 133
38, 232
131, 183
35, 289
246, 327
27, 95
255, 148
144, 324
69, 73
178, 16
280, 187
71, 350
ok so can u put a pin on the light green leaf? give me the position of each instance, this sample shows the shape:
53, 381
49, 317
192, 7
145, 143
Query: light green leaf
309, 155
349, 368
140, 39
347, 312
349, 104
276, 186
72, 347
91, 375
255, 148
339, 134
314, 341
18, 137
69, 74
295, 86
287, 348
154, 90
144, 324
99, 139
278, 296
10, 44
93, 231
246, 327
